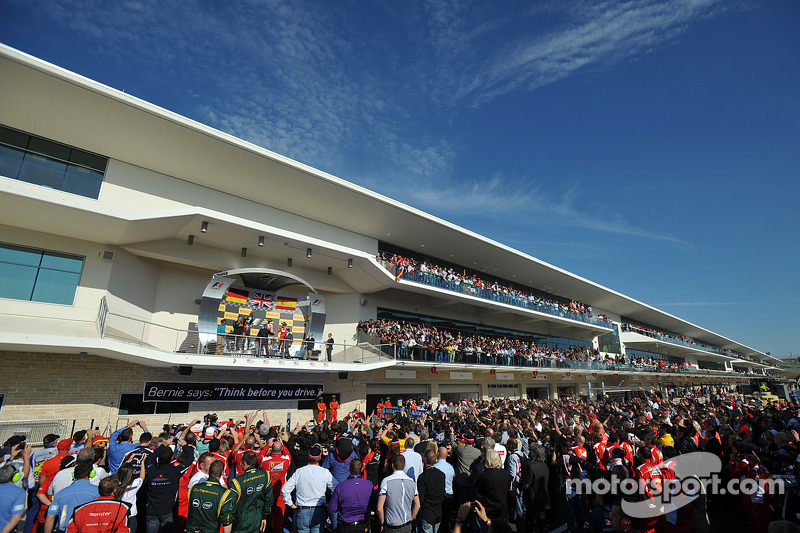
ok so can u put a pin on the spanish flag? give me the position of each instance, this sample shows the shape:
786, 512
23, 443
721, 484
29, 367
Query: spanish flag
285, 303
236, 296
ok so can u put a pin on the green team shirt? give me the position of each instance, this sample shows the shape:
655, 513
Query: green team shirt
253, 495
210, 504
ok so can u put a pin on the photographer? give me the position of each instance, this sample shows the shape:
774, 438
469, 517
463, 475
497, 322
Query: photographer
120, 443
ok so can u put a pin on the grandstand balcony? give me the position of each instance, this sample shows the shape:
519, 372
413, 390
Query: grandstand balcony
654, 342
538, 317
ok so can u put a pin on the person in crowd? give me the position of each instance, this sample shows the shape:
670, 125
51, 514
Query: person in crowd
253, 490
310, 483
413, 461
398, 499
277, 463
431, 490
120, 443
12, 499
212, 506
81, 491
103, 515
130, 482
350, 501
162, 480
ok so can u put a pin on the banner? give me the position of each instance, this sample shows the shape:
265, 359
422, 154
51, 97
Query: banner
166, 391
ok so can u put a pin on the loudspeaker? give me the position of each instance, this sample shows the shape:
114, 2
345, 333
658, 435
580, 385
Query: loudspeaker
108, 255
185, 370
342, 375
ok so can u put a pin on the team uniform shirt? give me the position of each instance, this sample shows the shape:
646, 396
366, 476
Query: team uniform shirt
100, 516
39, 457
277, 465
12, 502
65, 502
253, 491
212, 505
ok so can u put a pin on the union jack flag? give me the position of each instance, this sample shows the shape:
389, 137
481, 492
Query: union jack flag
260, 299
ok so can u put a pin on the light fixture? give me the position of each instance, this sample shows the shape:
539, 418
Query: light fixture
261, 240
244, 252
308, 253
349, 263
289, 262
330, 270
190, 240
203, 226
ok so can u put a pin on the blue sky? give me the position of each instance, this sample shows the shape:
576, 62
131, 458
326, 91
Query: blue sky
652, 147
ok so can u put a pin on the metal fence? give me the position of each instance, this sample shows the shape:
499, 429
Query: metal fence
34, 430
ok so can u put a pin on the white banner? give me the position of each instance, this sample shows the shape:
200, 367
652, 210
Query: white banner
461, 375
505, 376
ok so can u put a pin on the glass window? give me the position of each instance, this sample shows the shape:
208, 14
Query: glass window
38, 275
19, 255
10, 161
45, 147
16, 282
50, 164
41, 170
82, 181
55, 287
56, 261
14, 138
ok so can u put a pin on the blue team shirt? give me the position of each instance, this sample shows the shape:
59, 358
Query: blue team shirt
12, 502
67, 499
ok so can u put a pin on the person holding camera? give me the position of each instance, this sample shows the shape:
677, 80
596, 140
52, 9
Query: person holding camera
120, 443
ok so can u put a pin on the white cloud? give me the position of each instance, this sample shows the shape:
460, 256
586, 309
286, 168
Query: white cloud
359, 91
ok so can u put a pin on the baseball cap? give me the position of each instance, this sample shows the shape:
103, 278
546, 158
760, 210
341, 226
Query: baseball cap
64, 444
315, 452
99, 439
666, 440
50, 438
469, 438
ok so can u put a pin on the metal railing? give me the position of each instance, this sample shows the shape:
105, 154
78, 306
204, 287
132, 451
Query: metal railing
34, 430
367, 349
680, 342
433, 280
140, 332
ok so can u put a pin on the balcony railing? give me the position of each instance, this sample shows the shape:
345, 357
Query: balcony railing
187, 341
433, 280
367, 349
680, 342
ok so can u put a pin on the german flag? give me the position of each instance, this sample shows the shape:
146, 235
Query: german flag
237, 296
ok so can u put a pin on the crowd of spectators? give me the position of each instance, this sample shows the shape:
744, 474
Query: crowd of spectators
656, 334
405, 265
470, 465
420, 342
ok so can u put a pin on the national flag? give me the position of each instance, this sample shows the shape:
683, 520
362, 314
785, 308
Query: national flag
285, 303
260, 299
237, 296
400, 271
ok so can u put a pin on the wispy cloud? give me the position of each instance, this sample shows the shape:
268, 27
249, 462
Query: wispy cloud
361, 91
